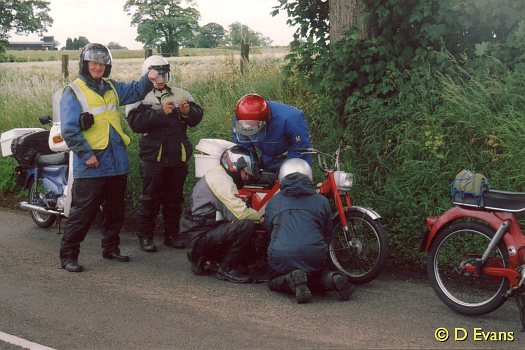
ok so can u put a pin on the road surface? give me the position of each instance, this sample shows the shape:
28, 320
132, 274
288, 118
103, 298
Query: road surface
155, 302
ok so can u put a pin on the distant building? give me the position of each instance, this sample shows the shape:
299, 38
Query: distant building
46, 43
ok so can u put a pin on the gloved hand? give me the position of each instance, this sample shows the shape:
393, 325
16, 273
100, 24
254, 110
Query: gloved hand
86, 120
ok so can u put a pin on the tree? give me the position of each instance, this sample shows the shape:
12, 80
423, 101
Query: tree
239, 33
210, 35
345, 14
24, 17
377, 42
76, 44
163, 24
112, 45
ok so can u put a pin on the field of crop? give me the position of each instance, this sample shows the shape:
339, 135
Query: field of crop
42, 56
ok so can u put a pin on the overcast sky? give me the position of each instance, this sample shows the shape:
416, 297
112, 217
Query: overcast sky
105, 20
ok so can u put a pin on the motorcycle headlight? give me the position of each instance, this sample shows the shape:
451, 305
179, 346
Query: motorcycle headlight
343, 180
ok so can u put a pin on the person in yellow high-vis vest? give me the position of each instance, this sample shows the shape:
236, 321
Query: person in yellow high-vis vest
91, 126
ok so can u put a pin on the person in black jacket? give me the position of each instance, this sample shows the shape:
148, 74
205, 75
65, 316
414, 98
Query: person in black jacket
299, 220
163, 117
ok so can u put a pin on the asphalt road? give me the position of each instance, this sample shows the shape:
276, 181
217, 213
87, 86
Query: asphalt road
155, 302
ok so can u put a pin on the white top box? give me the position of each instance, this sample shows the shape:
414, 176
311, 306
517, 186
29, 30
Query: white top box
213, 147
7, 138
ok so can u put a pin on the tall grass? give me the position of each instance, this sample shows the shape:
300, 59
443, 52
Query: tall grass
404, 151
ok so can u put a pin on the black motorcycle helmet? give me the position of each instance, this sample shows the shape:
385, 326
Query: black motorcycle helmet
96, 53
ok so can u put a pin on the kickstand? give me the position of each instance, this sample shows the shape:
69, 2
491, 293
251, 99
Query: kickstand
520, 301
58, 224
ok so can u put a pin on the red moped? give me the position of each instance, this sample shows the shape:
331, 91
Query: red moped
476, 252
359, 247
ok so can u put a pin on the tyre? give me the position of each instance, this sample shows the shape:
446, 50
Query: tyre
361, 252
456, 246
37, 194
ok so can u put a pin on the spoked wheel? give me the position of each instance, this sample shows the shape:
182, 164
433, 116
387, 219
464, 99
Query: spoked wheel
37, 195
454, 248
361, 252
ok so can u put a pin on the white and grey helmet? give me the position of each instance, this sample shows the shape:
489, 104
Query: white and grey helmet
160, 64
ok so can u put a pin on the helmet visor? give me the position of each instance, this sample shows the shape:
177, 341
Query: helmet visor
97, 55
164, 73
249, 127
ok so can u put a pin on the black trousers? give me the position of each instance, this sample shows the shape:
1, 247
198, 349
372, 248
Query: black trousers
87, 196
229, 243
162, 187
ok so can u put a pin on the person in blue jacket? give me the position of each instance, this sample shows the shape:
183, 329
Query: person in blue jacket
299, 220
274, 128
90, 125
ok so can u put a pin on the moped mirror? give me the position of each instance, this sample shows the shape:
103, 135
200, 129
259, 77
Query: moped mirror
45, 119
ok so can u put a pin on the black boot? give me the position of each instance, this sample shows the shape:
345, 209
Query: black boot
228, 273
300, 287
343, 286
72, 266
175, 242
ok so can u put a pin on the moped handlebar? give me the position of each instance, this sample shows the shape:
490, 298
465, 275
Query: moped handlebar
306, 150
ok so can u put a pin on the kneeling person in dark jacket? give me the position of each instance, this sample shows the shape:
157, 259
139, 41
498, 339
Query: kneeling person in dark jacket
218, 225
299, 220
163, 117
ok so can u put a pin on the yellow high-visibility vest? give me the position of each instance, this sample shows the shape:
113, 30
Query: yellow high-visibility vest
105, 113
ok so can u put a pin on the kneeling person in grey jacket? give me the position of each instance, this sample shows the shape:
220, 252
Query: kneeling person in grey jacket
299, 220
218, 226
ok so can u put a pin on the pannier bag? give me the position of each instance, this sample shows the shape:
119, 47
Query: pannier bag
28, 147
468, 187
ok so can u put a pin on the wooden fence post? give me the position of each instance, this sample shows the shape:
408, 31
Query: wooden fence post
65, 63
245, 57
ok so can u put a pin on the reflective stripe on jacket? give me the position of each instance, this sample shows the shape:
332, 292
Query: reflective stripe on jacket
104, 110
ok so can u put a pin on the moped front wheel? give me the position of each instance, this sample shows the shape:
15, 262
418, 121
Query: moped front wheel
455, 247
361, 252
37, 195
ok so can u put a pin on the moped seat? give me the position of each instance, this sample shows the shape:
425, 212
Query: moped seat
265, 181
504, 200
497, 200
60, 158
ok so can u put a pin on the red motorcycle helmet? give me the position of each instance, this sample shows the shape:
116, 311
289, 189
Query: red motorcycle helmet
253, 113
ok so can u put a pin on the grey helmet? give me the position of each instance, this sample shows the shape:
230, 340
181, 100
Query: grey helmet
295, 165
96, 53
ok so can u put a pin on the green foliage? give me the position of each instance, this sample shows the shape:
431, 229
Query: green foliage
437, 87
406, 34
113, 45
22, 17
239, 33
209, 36
163, 24
76, 44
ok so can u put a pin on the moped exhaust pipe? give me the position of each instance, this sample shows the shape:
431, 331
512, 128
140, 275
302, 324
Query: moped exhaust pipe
30, 207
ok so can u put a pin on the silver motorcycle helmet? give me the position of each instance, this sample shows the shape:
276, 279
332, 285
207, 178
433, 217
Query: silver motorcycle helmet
295, 165
96, 53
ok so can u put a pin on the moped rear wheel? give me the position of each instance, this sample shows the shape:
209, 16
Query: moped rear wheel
37, 195
361, 252
459, 245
